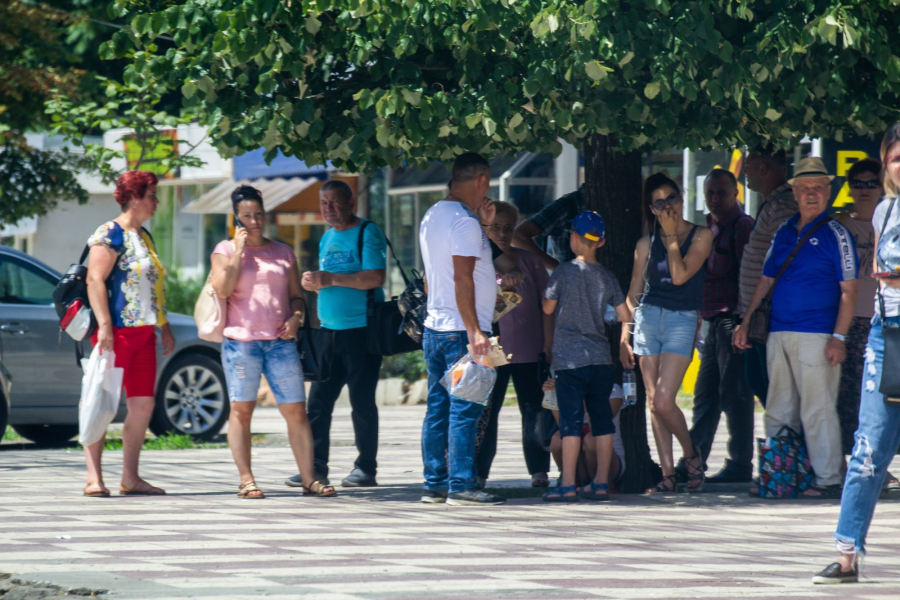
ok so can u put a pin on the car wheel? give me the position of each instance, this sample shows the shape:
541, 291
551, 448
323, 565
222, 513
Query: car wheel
47, 435
191, 398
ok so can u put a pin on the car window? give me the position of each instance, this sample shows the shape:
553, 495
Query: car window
22, 283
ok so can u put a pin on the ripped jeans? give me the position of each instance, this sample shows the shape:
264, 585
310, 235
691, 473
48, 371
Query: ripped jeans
876, 444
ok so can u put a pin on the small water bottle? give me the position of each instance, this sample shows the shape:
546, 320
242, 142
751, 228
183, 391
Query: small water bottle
629, 387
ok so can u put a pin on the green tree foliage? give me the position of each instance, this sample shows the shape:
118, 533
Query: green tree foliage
48, 53
369, 83
34, 61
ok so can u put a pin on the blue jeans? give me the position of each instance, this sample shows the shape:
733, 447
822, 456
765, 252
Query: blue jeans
659, 330
245, 362
876, 443
451, 423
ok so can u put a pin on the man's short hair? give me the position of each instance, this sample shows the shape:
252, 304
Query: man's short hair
340, 188
719, 173
865, 165
469, 166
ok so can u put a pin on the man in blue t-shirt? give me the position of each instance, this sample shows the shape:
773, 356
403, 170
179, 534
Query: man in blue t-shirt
343, 282
813, 304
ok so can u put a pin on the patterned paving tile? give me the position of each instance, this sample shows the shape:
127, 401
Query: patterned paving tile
201, 541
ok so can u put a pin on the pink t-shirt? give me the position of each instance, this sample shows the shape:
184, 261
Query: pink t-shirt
259, 304
522, 329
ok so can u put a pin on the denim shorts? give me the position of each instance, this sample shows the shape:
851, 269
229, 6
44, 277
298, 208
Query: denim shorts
278, 360
659, 330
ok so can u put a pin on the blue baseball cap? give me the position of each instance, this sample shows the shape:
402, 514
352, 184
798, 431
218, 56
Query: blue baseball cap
589, 224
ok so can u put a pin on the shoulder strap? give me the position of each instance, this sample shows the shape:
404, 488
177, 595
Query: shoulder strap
884, 223
794, 252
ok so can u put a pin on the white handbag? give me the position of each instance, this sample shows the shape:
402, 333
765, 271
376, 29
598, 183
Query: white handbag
209, 313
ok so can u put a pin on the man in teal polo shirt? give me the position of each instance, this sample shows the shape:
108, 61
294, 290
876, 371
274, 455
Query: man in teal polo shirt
813, 304
342, 282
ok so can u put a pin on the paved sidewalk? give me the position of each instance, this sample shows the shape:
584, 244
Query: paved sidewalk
201, 541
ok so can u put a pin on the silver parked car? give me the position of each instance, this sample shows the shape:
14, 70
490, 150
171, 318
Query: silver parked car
191, 393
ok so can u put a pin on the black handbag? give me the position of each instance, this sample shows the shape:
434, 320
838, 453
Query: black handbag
314, 346
890, 378
758, 326
386, 324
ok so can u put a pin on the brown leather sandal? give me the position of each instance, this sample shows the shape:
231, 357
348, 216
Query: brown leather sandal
101, 493
248, 490
317, 488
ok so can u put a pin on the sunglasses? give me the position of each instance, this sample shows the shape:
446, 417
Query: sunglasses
670, 200
499, 228
872, 184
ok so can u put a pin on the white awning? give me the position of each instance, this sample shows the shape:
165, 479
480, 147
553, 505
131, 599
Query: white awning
274, 192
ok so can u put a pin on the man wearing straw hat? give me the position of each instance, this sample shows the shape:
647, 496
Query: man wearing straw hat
812, 306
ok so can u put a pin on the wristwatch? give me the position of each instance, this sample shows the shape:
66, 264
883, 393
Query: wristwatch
842, 338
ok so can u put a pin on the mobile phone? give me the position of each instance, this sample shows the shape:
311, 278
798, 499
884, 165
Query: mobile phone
888, 274
237, 222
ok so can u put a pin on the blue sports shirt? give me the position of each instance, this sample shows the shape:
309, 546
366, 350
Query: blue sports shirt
343, 307
808, 295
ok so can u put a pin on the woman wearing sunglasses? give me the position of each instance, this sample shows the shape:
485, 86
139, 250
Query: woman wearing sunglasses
665, 297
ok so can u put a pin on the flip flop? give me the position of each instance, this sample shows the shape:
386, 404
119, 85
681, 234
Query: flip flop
149, 491
103, 493
559, 494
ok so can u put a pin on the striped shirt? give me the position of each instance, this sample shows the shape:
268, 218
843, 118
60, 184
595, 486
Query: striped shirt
778, 207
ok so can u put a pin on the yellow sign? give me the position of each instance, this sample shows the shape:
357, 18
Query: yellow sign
845, 160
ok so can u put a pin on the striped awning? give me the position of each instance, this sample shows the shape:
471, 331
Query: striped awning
275, 192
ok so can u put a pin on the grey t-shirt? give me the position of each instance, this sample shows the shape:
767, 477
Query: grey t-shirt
891, 295
583, 291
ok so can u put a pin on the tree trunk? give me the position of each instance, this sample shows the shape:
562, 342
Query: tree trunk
613, 188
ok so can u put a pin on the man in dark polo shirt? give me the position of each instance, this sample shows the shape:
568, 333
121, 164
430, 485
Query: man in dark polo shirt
721, 386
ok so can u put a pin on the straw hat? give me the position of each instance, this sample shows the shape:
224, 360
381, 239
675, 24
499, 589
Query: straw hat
809, 168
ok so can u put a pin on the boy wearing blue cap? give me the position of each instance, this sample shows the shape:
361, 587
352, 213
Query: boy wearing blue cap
578, 294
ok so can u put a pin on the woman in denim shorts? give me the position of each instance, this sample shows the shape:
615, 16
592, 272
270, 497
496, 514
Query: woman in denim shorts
260, 280
665, 296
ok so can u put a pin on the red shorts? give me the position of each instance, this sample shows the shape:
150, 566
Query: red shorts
135, 349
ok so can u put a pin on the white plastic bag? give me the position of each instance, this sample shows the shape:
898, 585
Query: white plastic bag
101, 390
471, 378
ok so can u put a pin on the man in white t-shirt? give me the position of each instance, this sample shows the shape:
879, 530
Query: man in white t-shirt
462, 292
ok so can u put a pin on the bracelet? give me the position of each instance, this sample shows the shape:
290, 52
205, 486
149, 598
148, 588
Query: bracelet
840, 337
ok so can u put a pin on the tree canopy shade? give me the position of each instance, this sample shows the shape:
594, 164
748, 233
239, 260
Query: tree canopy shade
367, 83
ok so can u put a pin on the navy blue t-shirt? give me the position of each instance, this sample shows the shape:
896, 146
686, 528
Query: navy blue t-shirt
808, 295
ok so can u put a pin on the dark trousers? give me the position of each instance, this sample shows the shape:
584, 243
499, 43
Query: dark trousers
350, 364
721, 387
756, 371
529, 395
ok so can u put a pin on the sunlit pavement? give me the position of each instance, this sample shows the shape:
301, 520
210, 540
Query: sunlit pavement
201, 541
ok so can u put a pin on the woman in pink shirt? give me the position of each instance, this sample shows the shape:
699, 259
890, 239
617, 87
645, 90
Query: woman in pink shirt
260, 280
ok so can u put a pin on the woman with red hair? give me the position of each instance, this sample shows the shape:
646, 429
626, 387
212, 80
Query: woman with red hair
126, 290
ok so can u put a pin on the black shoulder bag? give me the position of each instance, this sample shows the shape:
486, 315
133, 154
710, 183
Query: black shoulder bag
758, 328
315, 347
387, 326
890, 377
